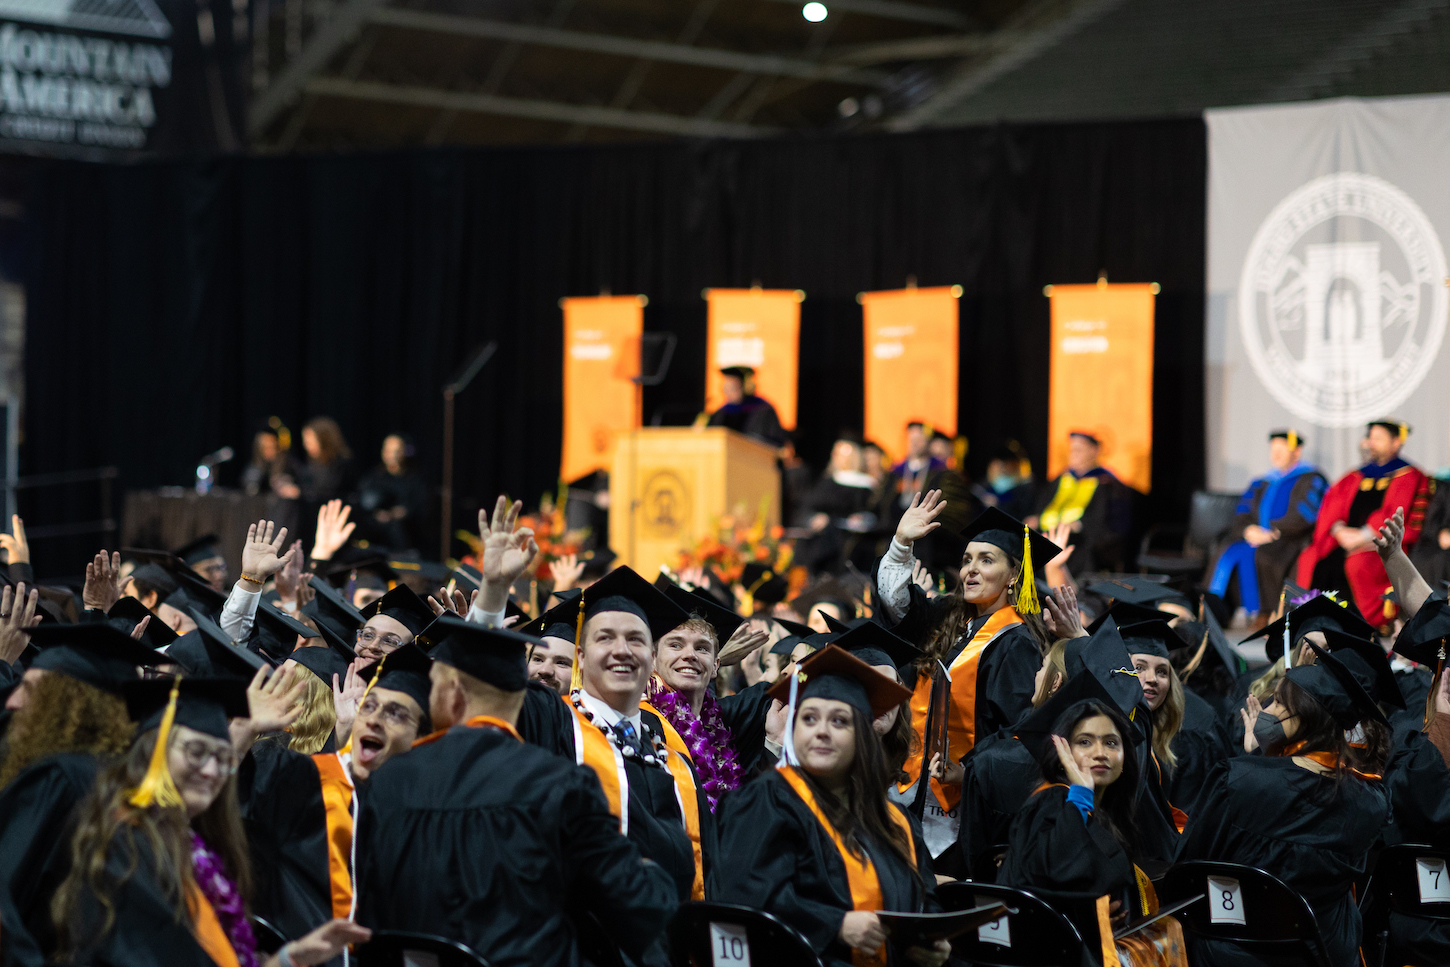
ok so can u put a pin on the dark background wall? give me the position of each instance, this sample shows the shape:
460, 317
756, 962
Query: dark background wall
171, 306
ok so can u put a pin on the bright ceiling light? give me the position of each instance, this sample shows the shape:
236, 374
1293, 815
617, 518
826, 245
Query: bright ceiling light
814, 12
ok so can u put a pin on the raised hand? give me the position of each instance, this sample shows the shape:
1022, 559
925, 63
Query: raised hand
920, 518
14, 544
1250, 714
566, 572
138, 632
444, 604
274, 699
333, 529
17, 616
921, 577
1060, 613
289, 578
507, 551
1075, 775
262, 554
345, 698
1391, 535
745, 640
103, 582
305, 591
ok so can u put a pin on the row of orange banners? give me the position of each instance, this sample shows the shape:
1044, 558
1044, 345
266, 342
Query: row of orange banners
1101, 371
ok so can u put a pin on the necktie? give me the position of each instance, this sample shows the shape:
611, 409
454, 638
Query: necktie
628, 738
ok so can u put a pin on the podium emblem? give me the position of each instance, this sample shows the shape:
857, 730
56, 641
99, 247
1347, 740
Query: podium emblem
1342, 299
664, 505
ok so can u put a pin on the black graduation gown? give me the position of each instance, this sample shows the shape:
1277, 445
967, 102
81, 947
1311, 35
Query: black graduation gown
655, 826
744, 715
1267, 812
997, 778
37, 819
491, 842
1053, 853
1201, 744
753, 416
1107, 521
1432, 562
1418, 785
778, 858
286, 822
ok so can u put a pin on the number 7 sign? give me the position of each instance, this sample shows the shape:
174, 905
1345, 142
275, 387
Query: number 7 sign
1430, 871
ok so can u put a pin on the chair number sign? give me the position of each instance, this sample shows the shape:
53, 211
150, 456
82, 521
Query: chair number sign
1225, 901
996, 931
728, 945
1430, 871
419, 958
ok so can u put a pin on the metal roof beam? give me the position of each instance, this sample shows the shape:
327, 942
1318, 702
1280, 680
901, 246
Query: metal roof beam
897, 10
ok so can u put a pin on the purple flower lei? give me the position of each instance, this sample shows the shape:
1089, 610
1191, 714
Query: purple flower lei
222, 894
706, 737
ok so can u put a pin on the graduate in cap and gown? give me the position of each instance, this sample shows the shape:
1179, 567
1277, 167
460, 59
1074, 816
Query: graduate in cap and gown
1303, 807
551, 658
166, 877
481, 838
816, 842
988, 635
203, 555
391, 622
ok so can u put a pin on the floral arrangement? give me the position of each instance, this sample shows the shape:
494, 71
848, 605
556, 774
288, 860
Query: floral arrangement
734, 543
707, 738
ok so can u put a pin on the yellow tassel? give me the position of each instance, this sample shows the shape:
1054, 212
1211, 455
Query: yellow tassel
157, 787
347, 749
576, 677
1026, 583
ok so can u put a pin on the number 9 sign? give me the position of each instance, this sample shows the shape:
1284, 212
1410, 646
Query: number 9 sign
1225, 901
728, 945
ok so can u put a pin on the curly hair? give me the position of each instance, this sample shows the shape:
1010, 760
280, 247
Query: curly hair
65, 715
109, 824
318, 718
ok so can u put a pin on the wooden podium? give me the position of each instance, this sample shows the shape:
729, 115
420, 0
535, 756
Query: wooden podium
670, 485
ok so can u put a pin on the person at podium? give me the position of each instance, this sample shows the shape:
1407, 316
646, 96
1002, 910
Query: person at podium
744, 412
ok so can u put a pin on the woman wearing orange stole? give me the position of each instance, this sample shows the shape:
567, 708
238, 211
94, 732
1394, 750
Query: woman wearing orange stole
815, 841
988, 634
162, 875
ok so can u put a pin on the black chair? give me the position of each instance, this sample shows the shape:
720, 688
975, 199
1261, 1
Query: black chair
771, 942
1039, 936
1209, 517
269, 938
1395, 887
395, 948
1276, 919
595, 946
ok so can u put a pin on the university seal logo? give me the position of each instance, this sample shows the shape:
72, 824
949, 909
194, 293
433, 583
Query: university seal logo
1342, 300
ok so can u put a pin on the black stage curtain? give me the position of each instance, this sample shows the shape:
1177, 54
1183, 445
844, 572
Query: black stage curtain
174, 305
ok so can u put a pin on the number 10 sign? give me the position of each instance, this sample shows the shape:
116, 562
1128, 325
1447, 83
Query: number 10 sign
728, 945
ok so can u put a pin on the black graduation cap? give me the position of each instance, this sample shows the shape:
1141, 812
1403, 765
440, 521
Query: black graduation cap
193, 592
276, 632
762, 583
624, 590
1218, 643
402, 605
827, 591
1399, 428
1319, 613
1000, 529
204, 704
1138, 591
497, 656
739, 372
93, 652
558, 622
329, 607
405, 670
723, 620
1107, 656
1126, 613
1341, 685
872, 643
1035, 729
466, 578
1366, 658
1422, 639
324, 661
127, 613
372, 569
343, 646
431, 573
787, 645
203, 548
224, 659
155, 578
837, 674
597, 562
795, 627
1153, 637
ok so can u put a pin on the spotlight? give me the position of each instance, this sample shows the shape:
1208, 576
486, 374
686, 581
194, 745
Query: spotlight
848, 107
814, 12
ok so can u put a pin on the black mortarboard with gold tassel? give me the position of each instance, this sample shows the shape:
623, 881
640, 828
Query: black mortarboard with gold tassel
203, 704
1026, 546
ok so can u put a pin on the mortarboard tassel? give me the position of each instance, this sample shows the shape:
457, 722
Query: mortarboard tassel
576, 677
157, 787
377, 674
1027, 602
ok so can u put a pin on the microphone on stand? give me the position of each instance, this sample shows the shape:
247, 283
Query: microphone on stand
204, 476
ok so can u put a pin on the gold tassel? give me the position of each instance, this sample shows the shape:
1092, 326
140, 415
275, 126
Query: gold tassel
576, 677
1026, 583
377, 674
157, 787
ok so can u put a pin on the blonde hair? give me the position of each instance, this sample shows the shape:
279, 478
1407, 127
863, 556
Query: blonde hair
1168, 719
318, 718
1056, 660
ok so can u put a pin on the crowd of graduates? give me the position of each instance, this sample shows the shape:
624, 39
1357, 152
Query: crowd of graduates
278, 769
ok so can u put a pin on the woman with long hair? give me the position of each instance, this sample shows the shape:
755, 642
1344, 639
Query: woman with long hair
816, 842
988, 634
1076, 841
1306, 808
159, 869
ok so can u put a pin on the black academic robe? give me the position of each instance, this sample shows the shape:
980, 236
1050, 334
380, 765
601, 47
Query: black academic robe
1200, 745
285, 817
37, 819
753, 416
744, 715
1418, 785
778, 858
1107, 522
1427, 556
494, 843
1067, 861
1310, 832
655, 825
997, 778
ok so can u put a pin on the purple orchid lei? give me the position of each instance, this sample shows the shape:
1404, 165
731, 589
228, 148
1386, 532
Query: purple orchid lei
706, 737
222, 894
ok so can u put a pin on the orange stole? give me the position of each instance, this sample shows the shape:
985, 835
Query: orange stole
860, 874
337, 799
208, 929
592, 748
1180, 818
478, 721
962, 722
685, 793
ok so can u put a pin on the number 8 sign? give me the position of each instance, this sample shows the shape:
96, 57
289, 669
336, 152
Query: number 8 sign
728, 945
1225, 901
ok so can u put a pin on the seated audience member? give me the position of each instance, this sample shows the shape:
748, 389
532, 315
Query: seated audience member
1431, 554
271, 469
816, 842
392, 499
838, 510
1009, 482
1097, 505
1273, 522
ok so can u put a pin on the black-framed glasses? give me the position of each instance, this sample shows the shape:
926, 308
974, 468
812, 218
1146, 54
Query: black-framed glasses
368, 636
391, 711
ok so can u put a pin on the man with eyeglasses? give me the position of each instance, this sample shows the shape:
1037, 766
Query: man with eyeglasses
393, 621
301, 810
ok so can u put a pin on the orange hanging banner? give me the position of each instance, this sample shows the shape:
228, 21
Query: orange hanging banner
911, 363
601, 357
759, 328
1102, 376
